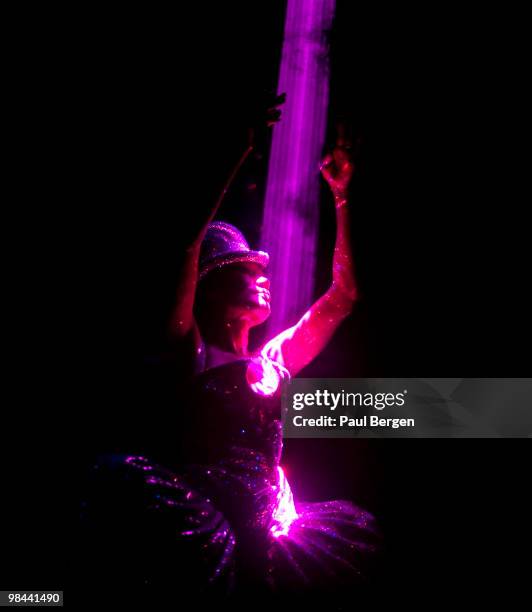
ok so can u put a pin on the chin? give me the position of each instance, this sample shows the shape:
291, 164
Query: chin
259, 314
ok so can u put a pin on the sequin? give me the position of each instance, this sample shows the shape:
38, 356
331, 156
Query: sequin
223, 244
241, 499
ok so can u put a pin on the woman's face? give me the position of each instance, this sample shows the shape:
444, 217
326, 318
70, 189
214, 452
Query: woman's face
245, 291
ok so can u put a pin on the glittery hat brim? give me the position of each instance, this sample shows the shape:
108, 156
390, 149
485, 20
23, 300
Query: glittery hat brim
259, 257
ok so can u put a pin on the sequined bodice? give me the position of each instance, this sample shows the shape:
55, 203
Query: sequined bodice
227, 412
233, 439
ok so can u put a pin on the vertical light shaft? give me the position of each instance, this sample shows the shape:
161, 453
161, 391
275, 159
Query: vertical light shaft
291, 211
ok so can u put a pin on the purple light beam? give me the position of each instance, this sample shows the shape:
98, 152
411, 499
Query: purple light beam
291, 211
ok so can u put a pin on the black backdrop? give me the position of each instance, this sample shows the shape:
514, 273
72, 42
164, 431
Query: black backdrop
439, 239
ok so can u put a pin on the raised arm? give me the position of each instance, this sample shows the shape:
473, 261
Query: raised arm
182, 322
300, 344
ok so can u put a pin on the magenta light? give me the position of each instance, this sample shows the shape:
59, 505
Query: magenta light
285, 512
262, 376
291, 212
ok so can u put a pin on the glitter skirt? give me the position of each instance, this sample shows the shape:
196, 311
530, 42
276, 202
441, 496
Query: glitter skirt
221, 529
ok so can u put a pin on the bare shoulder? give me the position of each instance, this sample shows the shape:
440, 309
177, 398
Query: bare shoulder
276, 348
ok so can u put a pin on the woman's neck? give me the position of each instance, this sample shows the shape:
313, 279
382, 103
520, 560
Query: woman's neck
232, 337
238, 332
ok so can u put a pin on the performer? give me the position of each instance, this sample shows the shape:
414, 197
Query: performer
228, 511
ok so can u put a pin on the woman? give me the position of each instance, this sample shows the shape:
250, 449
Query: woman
229, 512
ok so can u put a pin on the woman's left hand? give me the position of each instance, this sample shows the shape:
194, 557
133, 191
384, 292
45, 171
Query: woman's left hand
337, 168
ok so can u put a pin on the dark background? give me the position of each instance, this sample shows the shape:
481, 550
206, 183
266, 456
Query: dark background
439, 235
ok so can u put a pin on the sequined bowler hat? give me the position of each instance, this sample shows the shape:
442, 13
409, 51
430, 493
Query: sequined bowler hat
225, 244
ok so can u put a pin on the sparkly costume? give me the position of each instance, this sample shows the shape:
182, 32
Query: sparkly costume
228, 519
222, 519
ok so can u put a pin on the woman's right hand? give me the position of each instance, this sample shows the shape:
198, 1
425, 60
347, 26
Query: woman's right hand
266, 115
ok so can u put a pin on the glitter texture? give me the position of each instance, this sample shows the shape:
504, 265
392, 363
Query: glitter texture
231, 507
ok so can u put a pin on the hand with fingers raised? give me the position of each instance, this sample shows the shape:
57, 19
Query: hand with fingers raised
337, 169
266, 114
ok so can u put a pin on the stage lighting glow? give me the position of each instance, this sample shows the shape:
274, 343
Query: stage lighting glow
285, 512
291, 212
